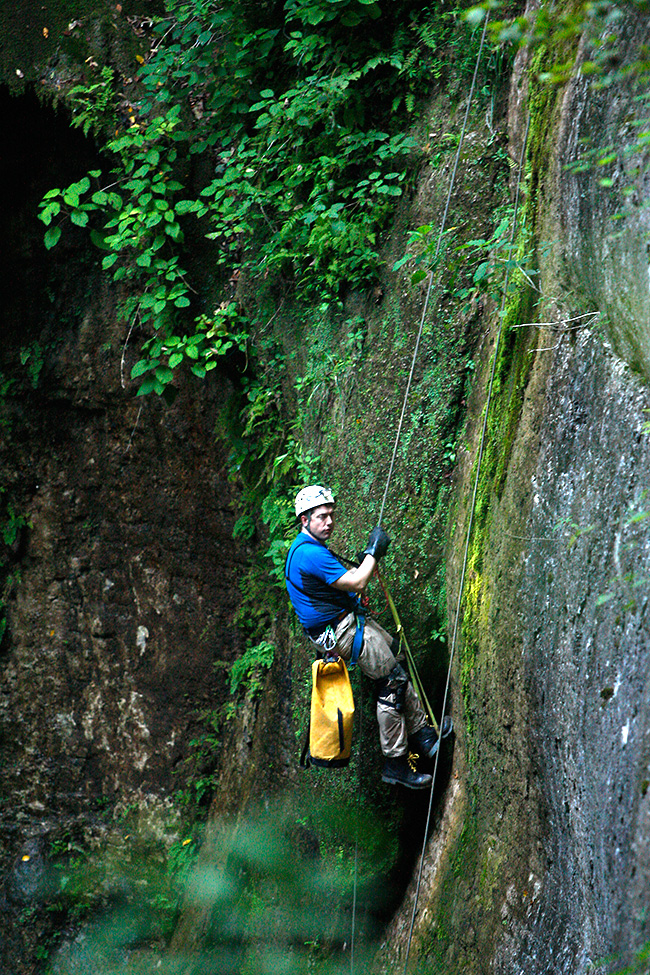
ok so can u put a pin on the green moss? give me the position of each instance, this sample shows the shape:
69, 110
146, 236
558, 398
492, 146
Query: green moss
475, 858
511, 374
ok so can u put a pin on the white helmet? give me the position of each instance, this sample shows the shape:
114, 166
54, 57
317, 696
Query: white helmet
311, 497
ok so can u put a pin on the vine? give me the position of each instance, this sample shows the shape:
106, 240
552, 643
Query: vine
290, 126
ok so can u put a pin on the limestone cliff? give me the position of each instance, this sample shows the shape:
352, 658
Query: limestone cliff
547, 869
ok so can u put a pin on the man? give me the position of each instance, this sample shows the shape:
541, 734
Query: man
325, 596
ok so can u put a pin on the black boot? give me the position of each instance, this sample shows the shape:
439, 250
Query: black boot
425, 740
446, 727
397, 771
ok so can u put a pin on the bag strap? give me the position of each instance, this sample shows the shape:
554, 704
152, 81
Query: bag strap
289, 559
357, 643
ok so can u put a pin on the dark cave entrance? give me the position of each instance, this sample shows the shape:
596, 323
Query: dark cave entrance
40, 151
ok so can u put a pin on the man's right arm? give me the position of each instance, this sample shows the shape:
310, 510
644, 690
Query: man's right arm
356, 580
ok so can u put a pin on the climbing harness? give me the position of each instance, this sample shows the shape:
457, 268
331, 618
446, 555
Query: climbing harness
326, 639
357, 643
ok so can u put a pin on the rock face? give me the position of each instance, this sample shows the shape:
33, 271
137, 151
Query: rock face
126, 581
585, 654
548, 870
120, 571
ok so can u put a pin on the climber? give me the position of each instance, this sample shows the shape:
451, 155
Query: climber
325, 596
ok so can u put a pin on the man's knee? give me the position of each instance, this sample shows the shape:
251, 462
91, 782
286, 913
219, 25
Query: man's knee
390, 690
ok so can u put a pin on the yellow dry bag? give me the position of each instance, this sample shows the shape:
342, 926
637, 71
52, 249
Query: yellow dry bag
329, 740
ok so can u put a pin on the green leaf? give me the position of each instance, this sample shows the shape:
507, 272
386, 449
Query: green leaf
605, 597
481, 272
149, 385
402, 261
141, 367
99, 240
175, 360
164, 374
79, 217
418, 276
48, 214
51, 237
186, 206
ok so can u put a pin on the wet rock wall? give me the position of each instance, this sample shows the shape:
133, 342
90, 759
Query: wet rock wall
546, 867
119, 572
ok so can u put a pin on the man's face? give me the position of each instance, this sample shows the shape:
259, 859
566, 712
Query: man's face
320, 522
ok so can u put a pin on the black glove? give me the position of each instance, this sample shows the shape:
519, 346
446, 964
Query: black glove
378, 542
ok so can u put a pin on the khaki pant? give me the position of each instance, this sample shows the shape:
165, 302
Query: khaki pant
376, 660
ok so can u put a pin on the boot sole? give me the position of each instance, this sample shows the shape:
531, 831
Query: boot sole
407, 785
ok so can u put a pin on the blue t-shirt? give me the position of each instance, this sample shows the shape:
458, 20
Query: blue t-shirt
309, 572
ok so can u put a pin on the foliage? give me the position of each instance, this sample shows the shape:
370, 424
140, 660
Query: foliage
274, 128
247, 672
32, 357
269, 900
291, 114
144, 867
93, 105
638, 964
217, 335
474, 268
200, 764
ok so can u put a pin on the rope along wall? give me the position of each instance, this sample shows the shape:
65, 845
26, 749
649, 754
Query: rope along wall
443, 224
398, 434
470, 523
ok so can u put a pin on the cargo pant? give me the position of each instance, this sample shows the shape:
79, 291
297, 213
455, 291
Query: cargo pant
377, 661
